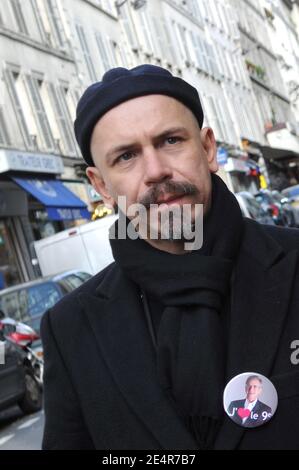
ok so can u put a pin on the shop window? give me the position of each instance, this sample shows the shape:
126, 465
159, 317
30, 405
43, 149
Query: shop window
9, 272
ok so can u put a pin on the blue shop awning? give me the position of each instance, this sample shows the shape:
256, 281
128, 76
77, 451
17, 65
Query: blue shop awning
60, 202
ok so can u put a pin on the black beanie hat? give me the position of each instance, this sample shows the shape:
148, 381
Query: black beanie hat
119, 85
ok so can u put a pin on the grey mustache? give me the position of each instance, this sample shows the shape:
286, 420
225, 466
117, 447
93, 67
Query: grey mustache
174, 188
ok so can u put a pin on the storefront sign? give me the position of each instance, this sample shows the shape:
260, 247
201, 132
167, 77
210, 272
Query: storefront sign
67, 213
33, 162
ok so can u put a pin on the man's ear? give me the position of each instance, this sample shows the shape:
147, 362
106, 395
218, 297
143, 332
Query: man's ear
209, 144
99, 185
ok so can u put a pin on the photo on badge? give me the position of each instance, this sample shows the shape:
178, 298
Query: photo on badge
250, 399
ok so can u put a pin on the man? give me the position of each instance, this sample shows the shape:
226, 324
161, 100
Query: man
138, 357
250, 412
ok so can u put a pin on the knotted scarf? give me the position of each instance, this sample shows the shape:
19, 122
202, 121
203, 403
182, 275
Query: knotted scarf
192, 288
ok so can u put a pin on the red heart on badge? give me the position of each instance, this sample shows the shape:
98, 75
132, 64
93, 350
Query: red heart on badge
243, 412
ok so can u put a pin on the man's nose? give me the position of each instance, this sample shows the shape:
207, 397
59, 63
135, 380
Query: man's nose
156, 168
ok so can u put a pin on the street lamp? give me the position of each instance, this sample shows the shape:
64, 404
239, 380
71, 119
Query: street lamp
136, 4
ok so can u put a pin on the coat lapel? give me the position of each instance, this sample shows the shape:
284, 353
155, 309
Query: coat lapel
261, 293
116, 317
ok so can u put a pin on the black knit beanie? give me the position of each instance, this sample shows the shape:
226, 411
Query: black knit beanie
119, 85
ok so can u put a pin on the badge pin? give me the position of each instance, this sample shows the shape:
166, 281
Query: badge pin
250, 399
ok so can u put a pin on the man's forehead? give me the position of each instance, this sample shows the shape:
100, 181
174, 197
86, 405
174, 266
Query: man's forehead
155, 107
254, 382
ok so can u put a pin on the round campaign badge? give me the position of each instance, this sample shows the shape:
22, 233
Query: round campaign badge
250, 399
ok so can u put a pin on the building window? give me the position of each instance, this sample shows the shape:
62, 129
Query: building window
62, 116
129, 27
194, 10
200, 50
226, 121
107, 51
33, 87
11, 78
123, 57
160, 41
147, 34
44, 35
19, 17
181, 37
169, 44
212, 116
213, 67
4, 136
49, 23
56, 24
86, 53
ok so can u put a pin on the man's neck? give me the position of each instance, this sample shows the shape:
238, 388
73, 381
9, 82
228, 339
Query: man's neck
173, 247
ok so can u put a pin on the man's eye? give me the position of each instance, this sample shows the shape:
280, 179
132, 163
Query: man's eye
173, 140
124, 157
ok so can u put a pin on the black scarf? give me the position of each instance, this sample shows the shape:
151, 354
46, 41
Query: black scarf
193, 288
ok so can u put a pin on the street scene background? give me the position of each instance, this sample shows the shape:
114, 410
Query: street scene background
243, 58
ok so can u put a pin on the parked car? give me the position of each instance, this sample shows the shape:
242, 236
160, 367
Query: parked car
18, 384
277, 206
252, 209
29, 301
292, 193
25, 338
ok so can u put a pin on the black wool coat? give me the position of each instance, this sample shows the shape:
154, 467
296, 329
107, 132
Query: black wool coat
100, 384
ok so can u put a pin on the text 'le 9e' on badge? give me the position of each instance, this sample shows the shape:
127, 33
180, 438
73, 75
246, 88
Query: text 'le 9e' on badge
250, 399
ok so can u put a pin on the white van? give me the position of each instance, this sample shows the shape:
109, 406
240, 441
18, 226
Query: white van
85, 248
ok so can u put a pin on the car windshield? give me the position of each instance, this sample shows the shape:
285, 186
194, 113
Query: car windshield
23, 304
42, 297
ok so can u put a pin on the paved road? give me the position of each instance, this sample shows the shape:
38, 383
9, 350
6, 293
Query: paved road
19, 432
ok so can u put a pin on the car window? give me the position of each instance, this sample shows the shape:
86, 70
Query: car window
14, 304
42, 297
83, 276
71, 282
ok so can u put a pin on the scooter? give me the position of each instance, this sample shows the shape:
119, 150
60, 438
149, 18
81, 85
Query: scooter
23, 336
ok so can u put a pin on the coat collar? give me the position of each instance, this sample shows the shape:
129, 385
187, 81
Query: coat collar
260, 297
